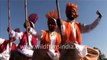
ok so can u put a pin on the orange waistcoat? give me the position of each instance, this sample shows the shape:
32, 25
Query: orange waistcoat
45, 40
69, 35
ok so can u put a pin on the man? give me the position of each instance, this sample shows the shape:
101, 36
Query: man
5, 48
28, 41
49, 40
72, 29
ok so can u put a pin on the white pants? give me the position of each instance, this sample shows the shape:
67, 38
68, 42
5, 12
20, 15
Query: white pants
26, 52
4, 56
82, 50
53, 56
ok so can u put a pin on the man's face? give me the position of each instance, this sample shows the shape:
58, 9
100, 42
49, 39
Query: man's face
27, 24
71, 14
51, 25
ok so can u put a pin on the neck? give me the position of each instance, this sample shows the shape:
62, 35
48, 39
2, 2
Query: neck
28, 33
51, 31
71, 21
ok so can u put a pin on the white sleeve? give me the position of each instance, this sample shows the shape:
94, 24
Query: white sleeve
17, 35
33, 31
87, 28
38, 34
1, 40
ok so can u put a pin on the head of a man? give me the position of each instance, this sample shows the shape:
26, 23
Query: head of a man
52, 16
51, 24
32, 18
27, 24
71, 11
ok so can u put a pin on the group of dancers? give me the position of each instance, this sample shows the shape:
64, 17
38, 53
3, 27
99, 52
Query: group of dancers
59, 32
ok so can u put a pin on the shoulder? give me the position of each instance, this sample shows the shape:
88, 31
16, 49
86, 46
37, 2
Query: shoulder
23, 32
65, 21
44, 31
76, 22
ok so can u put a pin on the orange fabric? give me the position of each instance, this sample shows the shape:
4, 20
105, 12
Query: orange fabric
69, 35
78, 33
72, 6
52, 14
46, 40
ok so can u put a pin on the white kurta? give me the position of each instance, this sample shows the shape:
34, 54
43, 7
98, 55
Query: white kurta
5, 55
82, 50
52, 43
54, 55
27, 49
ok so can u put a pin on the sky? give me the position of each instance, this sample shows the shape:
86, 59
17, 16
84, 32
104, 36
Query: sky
87, 14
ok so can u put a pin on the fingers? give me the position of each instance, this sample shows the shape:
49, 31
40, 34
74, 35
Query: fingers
9, 29
99, 13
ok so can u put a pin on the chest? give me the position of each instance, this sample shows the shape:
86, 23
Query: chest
50, 38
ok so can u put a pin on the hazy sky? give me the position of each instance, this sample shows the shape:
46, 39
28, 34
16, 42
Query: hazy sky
87, 14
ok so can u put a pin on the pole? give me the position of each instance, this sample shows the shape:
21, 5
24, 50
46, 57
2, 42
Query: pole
8, 13
9, 21
25, 6
59, 23
57, 5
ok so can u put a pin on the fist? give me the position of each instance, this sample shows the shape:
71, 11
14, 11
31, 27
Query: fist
9, 29
99, 14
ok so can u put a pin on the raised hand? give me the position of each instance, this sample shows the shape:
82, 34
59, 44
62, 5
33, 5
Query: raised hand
9, 30
99, 14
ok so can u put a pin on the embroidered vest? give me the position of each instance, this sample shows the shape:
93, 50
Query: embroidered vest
69, 35
24, 40
45, 40
3, 46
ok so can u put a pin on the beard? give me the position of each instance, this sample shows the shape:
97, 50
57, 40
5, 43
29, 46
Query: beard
28, 29
51, 28
70, 17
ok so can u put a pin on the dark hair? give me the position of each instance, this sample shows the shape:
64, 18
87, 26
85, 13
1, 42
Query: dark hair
25, 24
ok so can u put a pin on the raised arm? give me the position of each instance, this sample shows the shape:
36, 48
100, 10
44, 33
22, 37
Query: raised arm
87, 28
1, 40
17, 35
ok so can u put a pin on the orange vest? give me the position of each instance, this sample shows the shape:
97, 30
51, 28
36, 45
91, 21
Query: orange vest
45, 40
69, 35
